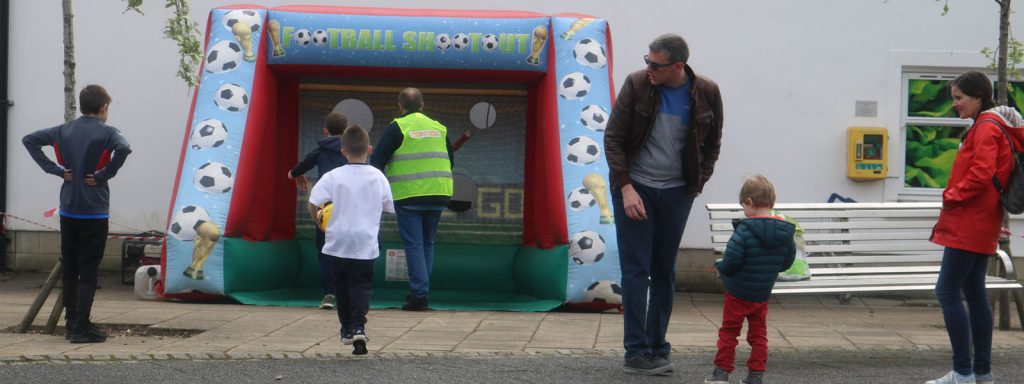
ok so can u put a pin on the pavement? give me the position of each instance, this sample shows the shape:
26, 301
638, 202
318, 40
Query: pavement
170, 330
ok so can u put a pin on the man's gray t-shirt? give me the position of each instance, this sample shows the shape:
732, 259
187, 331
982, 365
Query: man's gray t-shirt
660, 162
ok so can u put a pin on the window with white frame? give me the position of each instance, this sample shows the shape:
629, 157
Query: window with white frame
931, 130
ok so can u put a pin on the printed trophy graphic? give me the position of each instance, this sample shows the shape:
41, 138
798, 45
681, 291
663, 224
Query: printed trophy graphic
207, 234
274, 28
598, 188
576, 26
243, 32
540, 36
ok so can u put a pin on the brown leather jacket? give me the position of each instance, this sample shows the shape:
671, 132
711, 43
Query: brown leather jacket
633, 117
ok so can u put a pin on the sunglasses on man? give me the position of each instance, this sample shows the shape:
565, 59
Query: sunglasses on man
656, 66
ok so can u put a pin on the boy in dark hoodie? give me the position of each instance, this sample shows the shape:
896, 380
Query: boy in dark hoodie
326, 156
761, 246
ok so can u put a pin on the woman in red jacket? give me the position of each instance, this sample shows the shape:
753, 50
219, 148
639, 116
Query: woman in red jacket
969, 226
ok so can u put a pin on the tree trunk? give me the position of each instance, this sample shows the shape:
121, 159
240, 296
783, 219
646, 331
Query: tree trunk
1002, 99
1004, 39
69, 62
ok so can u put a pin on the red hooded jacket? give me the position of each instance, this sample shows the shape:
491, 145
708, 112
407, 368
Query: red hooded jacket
971, 215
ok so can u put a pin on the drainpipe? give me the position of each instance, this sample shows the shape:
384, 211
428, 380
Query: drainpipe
4, 104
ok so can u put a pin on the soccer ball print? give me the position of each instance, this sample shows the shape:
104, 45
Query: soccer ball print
209, 133
489, 43
586, 247
590, 53
186, 220
320, 37
573, 86
442, 42
580, 199
460, 41
213, 177
594, 117
603, 291
231, 98
247, 16
582, 150
224, 56
302, 37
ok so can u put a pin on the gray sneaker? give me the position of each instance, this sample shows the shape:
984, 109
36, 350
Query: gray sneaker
753, 377
985, 379
327, 302
953, 378
647, 364
718, 376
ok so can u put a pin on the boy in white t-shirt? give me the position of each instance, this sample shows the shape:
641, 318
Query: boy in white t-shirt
359, 194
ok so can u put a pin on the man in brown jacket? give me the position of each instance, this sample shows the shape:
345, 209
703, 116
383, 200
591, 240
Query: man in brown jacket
661, 143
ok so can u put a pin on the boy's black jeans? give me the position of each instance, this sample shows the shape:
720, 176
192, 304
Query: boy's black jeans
353, 285
82, 242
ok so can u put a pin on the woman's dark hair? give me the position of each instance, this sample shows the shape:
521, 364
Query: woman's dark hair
976, 84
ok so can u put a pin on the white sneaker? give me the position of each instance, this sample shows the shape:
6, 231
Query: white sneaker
985, 379
953, 378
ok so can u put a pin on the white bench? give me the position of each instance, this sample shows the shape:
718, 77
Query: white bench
863, 247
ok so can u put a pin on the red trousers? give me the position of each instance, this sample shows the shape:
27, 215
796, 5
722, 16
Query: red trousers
733, 313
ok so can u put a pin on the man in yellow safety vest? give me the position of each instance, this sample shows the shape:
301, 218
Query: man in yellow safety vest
415, 154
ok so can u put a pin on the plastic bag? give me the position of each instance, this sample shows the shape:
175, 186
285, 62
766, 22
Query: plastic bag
800, 269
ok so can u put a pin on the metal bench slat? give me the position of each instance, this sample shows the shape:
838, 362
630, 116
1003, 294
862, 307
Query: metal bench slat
840, 248
727, 215
862, 236
864, 285
874, 247
832, 206
873, 270
867, 259
845, 225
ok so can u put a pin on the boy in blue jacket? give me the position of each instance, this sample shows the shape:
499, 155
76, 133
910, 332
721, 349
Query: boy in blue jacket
89, 153
326, 157
761, 246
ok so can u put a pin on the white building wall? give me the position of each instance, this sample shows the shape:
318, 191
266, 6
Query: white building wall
790, 72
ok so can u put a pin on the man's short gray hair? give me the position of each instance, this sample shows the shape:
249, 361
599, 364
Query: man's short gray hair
672, 44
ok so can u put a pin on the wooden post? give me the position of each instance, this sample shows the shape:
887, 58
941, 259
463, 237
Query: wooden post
58, 309
37, 304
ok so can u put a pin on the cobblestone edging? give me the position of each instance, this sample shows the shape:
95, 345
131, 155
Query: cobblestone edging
73, 358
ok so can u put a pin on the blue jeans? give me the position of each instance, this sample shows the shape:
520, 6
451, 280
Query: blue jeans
326, 264
965, 271
418, 228
647, 257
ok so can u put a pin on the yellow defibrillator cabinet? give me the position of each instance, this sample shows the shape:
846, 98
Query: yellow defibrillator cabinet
867, 155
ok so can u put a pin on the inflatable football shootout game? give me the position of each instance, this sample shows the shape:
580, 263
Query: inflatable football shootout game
531, 92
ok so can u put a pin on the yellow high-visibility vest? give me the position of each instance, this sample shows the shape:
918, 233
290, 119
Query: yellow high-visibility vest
420, 166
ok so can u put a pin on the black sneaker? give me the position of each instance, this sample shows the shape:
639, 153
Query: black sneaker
754, 377
664, 356
718, 376
68, 330
359, 340
415, 304
88, 334
647, 364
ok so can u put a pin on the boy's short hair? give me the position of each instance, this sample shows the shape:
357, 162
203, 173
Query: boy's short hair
92, 98
355, 141
335, 122
759, 190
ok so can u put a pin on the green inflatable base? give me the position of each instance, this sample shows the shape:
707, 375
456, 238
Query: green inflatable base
465, 277
394, 298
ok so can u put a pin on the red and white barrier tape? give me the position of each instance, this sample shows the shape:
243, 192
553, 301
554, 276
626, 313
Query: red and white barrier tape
119, 237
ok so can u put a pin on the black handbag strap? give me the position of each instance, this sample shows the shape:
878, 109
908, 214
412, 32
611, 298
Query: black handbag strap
1013, 150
